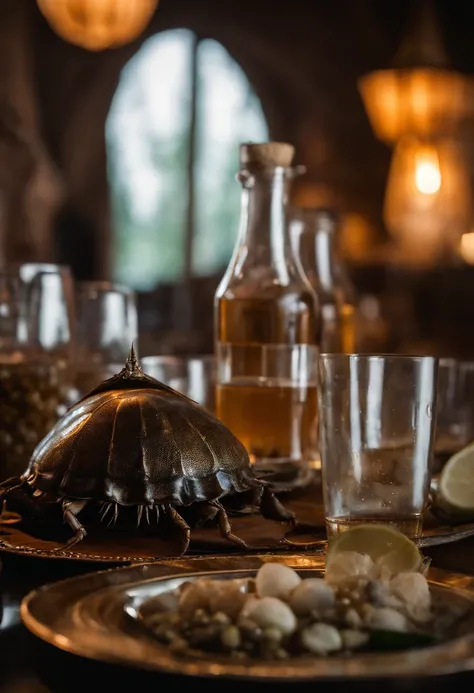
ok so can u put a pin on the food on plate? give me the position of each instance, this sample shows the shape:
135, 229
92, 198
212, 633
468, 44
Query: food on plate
383, 544
362, 604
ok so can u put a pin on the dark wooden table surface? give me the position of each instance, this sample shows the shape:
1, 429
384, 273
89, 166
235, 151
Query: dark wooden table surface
30, 666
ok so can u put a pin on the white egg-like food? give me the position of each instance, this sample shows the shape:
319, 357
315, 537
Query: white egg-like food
321, 639
411, 588
270, 612
276, 580
348, 564
386, 619
310, 595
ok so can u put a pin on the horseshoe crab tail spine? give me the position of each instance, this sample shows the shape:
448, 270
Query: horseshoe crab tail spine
132, 362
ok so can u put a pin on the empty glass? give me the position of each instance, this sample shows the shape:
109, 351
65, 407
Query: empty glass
49, 322
193, 376
107, 320
36, 346
455, 409
376, 417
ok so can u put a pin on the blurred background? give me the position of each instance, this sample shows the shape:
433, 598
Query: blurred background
120, 122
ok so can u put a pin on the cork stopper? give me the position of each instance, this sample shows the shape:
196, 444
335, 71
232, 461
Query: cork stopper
266, 155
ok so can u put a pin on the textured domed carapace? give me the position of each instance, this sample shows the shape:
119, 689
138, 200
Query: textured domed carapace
133, 441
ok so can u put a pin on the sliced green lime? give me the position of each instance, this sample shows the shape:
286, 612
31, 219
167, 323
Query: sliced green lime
385, 545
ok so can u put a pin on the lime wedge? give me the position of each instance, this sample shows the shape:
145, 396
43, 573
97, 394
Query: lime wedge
386, 546
456, 482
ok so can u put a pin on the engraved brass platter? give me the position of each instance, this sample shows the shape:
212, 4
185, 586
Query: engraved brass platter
261, 535
95, 616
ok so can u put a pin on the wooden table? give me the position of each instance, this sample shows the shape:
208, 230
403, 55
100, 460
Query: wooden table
28, 665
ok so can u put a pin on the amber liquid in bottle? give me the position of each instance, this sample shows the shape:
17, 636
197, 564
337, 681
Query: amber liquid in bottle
272, 416
265, 319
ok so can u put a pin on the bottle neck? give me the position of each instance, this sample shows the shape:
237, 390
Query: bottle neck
264, 236
325, 259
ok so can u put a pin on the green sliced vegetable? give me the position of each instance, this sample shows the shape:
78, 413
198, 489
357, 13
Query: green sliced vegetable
387, 640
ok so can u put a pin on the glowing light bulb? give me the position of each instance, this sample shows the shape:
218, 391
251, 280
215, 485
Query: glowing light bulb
427, 172
99, 24
428, 203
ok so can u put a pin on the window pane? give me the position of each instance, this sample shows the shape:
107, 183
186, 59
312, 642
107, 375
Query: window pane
147, 138
148, 135
229, 113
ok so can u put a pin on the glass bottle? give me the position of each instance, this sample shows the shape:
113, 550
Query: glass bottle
314, 237
267, 327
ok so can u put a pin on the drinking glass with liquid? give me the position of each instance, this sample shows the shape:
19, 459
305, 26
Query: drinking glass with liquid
267, 328
377, 416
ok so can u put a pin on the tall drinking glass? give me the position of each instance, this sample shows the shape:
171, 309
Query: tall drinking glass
266, 395
36, 346
377, 425
455, 409
106, 321
106, 326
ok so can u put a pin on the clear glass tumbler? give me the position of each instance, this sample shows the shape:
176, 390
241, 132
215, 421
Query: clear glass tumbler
193, 376
455, 409
107, 324
106, 321
266, 395
377, 427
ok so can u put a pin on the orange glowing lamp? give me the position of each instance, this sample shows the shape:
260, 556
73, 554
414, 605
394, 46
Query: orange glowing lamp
98, 24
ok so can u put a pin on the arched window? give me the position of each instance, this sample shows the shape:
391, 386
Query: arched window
181, 109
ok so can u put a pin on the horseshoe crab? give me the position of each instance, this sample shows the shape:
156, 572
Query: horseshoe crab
135, 442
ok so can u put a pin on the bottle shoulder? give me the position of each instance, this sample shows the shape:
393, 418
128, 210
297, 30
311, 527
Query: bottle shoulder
291, 294
263, 282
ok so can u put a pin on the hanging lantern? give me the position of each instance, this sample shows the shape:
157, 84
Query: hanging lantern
419, 105
428, 201
420, 95
420, 102
98, 24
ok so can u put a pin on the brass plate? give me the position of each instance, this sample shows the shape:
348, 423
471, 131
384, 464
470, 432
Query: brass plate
93, 616
108, 546
140, 549
114, 547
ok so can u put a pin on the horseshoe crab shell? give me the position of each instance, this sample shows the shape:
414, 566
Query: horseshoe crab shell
133, 441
